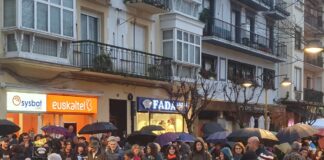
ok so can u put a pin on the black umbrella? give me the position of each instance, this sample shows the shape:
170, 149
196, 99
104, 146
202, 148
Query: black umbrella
242, 135
141, 138
55, 129
98, 127
7, 127
295, 132
152, 128
211, 127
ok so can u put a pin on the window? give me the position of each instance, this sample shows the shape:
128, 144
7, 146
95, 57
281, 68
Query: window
186, 7
238, 72
268, 78
89, 27
9, 9
11, 43
188, 47
209, 67
298, 37
54, 16
168, 43
308, 83
297, 79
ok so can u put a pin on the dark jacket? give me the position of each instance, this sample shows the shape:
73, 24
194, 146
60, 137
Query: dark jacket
150, 157
184, 151
203, 155
98, 156
115, 155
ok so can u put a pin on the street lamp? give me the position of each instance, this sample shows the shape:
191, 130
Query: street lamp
285, 83
313, 47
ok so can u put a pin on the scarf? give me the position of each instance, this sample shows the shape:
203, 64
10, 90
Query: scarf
137, 158
172, 156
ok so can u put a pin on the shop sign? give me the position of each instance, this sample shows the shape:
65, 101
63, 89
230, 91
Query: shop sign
71, 104
26, 102
158, 105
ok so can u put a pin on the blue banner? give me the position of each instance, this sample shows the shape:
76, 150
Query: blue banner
158, 105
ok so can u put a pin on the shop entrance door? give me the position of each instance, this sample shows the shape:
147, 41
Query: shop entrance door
118, 115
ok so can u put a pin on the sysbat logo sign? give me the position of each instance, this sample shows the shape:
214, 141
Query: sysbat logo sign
26, 102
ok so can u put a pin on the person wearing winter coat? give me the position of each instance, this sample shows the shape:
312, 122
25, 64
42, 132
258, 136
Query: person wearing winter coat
226, 154
152, 152
199, 152
172, 153
114, 152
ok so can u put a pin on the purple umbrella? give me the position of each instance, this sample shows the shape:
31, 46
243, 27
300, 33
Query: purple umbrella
55, 129
218, 137
186, 137
166, 138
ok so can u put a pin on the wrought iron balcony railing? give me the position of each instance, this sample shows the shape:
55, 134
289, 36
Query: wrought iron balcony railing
311, 95
317, 61
162, 4
105, 58
239, 35
281, 6
258, 4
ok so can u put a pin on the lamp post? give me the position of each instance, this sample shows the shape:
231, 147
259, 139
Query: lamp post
285, 83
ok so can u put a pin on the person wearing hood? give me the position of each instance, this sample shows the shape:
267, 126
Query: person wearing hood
199, 152
226, 154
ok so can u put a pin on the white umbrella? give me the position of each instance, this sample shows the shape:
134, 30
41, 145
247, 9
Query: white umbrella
319, 123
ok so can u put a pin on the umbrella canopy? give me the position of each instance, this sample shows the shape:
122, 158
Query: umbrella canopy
7, 127
265, 136
98, 127
54, 129
166, 138
295, 132
211, 127
141, 138
186, 137
284, 147
218, 137
151, 128
319, 123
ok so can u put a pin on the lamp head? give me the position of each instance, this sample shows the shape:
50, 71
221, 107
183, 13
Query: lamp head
247, 84
286, 82
313, 47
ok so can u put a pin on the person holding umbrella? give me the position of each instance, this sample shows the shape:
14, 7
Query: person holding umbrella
152, 152
254, 145
95, 153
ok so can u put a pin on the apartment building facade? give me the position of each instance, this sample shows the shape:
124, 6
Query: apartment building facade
71, 62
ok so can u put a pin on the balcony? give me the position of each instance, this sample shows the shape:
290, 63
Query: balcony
313, 22
235, 37
151, 6
316, 61
105, 58
278, 10
259, 5
311, 95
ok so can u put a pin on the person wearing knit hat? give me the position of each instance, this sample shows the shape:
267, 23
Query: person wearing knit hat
226, 154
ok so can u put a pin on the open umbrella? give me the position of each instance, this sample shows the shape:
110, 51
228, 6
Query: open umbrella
7, 127
218, 137
141, 138
54, 129
283, 147
98, 127
166, 138
265, 136
295, 132
320, 133
211, 127
186, 137
151, 128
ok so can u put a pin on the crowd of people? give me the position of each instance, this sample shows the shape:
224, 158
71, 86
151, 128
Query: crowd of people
109, 147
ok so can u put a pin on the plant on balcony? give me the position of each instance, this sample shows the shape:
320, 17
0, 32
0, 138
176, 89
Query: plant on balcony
155, 70
207, 74
204, 15
102, 63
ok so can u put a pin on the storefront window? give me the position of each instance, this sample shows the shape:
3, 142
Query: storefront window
170, 122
